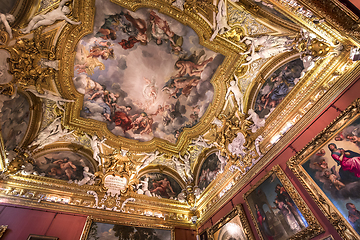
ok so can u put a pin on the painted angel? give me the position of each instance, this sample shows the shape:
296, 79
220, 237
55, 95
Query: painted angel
88, 64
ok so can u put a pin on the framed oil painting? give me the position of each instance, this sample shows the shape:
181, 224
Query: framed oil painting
203, 235
329, 169
278, 211
112, 230
232, 226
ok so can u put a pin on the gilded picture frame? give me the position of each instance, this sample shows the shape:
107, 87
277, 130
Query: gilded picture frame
341, 133
40, 237
234, 220
291, 213
103, 226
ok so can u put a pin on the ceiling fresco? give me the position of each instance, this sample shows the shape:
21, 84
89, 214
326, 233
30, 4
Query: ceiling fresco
144, 74
118, 106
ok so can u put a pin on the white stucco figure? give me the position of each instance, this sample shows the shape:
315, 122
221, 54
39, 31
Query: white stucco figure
55, 137
258, 122
197, 192
182, 197
266, 42
223, 161
258, 140
6, 19
95, 146
150, 157
234, 88
50, 130
50, 18
237, 145
89, 178
200, 141
234, 167
270, 46
217, 122
221, 20
186, 160
54, 64
144, 184
51, 96
179, 167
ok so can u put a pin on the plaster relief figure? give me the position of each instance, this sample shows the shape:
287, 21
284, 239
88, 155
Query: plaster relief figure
258, 122
223, 161
234, 88
270, 46
51, 96
95, 146
50, 134
237, 145
221, 20
258, 140
186, 160
179, 167
144, 184
200, 141
89, 178
6, 19
150, 157
50, 18
54, 64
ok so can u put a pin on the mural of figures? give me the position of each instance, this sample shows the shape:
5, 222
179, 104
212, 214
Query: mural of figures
64, 165
335, 168
277, 86
15, 115
208, 171
160, 184
109, 231
143, 73
276, 214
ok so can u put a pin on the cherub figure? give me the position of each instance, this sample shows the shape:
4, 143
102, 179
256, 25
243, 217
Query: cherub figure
6, 19
234, 88
223, 161
88, 178
258, 122
50, 17
334, 179
144, 184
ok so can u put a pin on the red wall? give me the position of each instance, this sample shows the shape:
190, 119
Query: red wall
24, 221
324, 119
